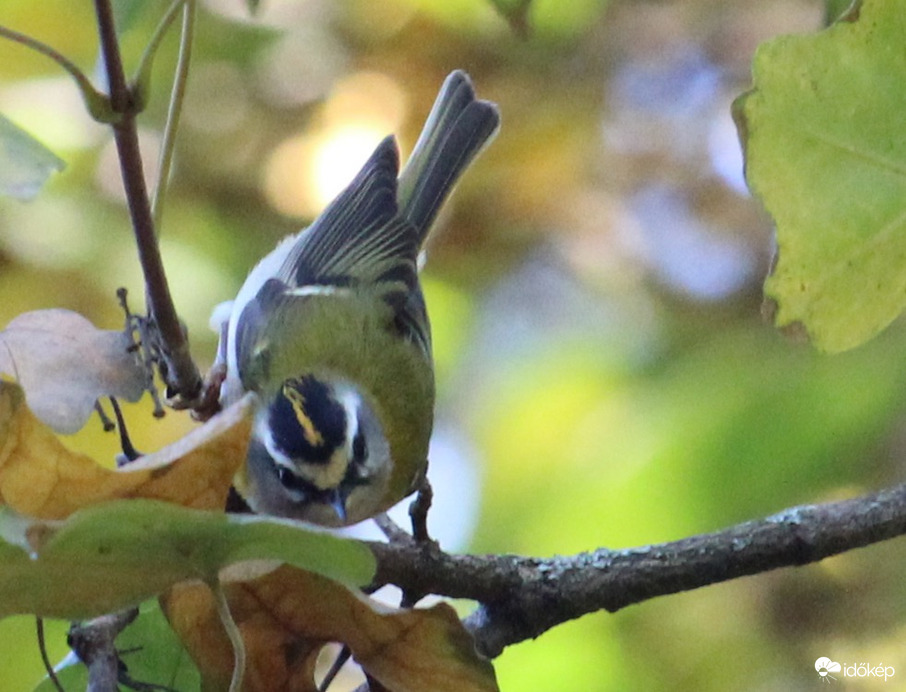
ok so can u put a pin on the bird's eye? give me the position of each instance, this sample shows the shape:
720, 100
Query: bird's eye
358, 447
291, 481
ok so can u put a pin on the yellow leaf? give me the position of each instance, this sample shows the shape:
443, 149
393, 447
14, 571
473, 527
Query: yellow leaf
40, 478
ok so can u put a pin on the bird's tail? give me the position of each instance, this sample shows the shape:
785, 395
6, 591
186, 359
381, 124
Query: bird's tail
457, 128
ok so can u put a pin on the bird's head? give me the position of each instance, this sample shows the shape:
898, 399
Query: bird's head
318, 453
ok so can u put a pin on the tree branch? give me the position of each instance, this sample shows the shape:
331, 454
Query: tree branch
178, 370
522, 597
93, 643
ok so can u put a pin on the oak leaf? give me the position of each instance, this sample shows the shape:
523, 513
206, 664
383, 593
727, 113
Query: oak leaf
286, 617
41, 478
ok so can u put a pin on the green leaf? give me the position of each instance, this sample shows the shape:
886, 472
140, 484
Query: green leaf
157, 655
822, 132
835, 9
516, 12
72, 676
126, 15
25, 163
151, 652
120, 553
564, 20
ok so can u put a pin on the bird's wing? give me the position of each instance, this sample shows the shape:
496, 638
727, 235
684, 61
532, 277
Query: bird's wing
359, 238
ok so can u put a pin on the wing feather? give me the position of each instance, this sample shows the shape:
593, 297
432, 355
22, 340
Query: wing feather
359, 237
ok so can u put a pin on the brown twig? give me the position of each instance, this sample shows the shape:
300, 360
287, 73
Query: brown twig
93, 643
522, 597
107, 424
342, 657
129, 452
139, 331
392, 530
96, 102
177, 368
418, 510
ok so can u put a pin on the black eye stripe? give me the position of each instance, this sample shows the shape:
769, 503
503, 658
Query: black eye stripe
309, 491
358, 447
291, 481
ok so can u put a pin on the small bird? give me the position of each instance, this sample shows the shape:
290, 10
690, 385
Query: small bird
331, 331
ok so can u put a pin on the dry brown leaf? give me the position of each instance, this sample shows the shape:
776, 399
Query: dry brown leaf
276, 658
286, 617
41, 478
64, 363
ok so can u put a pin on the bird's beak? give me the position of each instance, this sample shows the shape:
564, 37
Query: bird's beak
337, 501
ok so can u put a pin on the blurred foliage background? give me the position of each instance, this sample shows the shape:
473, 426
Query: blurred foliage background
605, 377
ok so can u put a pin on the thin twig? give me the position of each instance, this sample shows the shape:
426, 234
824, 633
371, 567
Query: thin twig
105, 419
130, 453
94, 643
392, 530
342, 657
48, 51
418, 510
177, 97
138, 330
232, 630
97, 103
45, 659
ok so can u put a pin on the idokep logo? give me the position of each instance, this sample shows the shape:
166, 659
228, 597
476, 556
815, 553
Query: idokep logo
825, 667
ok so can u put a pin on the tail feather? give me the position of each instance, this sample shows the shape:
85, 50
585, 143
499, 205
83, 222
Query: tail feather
458, 127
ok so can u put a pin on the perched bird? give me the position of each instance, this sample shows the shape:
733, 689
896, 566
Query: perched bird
330, 330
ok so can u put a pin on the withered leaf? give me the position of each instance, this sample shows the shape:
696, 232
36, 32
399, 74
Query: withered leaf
41, 478
64, 363
286, 617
